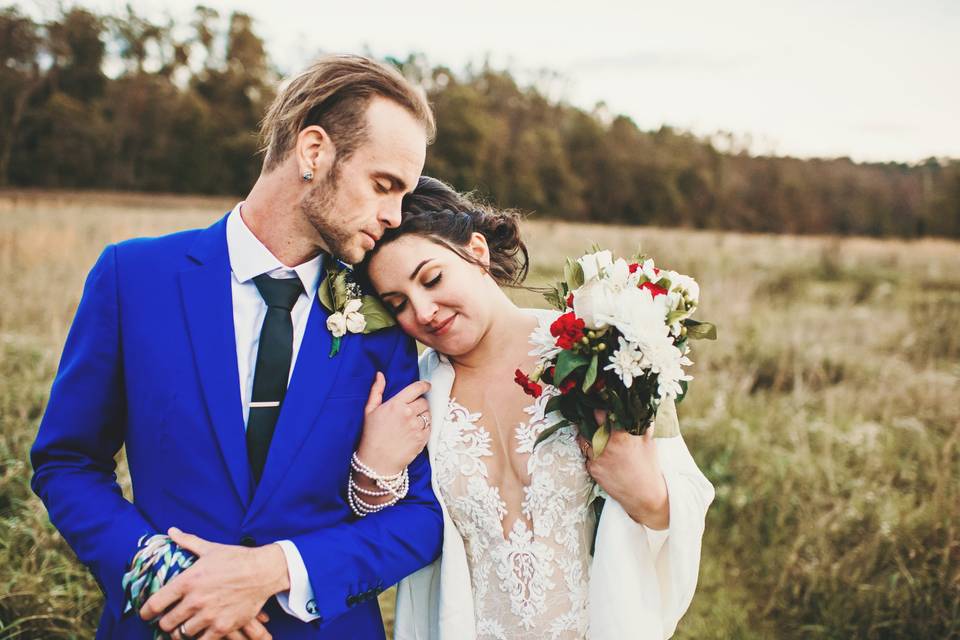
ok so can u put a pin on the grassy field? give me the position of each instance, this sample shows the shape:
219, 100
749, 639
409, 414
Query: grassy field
827, 416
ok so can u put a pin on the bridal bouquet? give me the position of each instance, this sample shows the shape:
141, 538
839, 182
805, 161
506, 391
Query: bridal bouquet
620, 345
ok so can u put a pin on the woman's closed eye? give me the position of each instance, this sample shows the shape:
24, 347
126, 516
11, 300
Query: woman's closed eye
429, 284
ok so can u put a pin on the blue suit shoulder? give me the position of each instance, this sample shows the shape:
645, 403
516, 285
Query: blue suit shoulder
166, 253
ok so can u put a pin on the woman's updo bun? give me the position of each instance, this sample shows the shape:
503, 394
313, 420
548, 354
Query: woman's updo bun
439, 213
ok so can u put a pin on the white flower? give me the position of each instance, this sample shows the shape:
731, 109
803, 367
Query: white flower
663, 358
356, 322
350, 319
337, 324
594, 302
593, 263
618, 274
626, 362
650, 271
636, 313
545, 344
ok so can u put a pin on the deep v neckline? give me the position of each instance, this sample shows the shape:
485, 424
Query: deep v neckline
516, 445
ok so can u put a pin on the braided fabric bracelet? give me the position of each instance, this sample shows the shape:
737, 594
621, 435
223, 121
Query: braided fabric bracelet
158, 560
396, 485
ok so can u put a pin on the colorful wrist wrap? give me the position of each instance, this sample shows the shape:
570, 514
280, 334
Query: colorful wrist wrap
158, 561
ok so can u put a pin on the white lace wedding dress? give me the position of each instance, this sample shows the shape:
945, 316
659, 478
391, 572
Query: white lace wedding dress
530, 579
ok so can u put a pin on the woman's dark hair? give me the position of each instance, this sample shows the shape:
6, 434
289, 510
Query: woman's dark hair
439, 213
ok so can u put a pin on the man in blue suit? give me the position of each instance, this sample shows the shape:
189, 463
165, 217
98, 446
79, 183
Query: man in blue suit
206, 354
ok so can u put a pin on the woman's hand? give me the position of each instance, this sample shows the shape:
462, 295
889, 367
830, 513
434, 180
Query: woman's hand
395, 431
629, 471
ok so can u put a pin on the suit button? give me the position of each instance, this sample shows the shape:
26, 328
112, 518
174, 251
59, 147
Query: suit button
248, 541
311, 607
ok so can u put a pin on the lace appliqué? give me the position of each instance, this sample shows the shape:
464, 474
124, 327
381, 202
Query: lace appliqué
531, 583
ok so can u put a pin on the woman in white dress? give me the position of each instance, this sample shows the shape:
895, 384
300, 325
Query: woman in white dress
519, 523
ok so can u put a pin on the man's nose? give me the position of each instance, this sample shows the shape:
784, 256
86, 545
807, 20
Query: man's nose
390, 215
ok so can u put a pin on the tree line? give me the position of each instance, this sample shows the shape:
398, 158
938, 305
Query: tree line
121, 102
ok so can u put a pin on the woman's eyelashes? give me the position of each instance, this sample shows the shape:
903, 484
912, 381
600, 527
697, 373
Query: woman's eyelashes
429, 284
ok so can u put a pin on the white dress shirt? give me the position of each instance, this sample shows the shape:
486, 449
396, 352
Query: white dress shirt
250, 258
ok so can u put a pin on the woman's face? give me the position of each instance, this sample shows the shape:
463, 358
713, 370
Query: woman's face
436, 296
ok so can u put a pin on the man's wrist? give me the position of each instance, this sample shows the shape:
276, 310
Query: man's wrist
275, 562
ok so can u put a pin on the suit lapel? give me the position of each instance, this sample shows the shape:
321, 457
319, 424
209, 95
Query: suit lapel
313, 377
208, 305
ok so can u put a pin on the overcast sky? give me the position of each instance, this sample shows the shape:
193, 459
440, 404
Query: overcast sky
870, 79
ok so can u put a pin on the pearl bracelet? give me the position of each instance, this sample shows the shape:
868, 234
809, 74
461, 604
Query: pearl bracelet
397, 485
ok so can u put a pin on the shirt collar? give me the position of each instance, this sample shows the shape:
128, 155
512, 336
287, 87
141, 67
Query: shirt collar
249, 257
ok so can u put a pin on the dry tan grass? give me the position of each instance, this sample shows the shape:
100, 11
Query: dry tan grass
826, 415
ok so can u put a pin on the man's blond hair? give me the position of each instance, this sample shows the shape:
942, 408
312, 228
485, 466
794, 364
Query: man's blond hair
333, 93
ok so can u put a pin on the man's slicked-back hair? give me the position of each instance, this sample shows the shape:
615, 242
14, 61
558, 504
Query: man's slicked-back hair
334, 93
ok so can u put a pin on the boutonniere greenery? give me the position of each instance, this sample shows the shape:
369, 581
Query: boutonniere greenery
351, 310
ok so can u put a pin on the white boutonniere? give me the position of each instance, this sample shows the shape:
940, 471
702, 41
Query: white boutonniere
351, 311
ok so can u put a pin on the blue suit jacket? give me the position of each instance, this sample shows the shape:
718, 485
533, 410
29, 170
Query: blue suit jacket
150, 362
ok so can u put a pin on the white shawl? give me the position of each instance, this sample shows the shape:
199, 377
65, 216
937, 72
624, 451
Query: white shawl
641, 580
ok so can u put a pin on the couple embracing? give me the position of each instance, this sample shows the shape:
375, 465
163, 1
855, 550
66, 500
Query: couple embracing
280, 435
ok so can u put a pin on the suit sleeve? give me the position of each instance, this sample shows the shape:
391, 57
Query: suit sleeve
354, 561
81, 432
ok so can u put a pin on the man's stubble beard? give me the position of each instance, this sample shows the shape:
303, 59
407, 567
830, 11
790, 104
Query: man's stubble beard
318, 208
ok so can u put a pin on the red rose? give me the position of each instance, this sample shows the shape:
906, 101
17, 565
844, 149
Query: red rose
567, 386
570, 301
568, 330
529, 386
634, 267
654, 289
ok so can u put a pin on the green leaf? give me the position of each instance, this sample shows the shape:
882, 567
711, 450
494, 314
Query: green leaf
591, 376
376, 314
700, 330
549, 431
673, 316
567, 363
339, 286
325, 293
600, 438
573, 274
553, 404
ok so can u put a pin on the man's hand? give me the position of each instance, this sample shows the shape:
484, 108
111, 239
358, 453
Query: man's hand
222, 593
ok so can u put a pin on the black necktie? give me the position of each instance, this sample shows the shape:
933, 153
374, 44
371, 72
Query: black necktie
273, 366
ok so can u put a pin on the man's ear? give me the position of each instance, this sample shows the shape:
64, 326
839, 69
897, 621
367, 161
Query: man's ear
314, 152
478, 248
